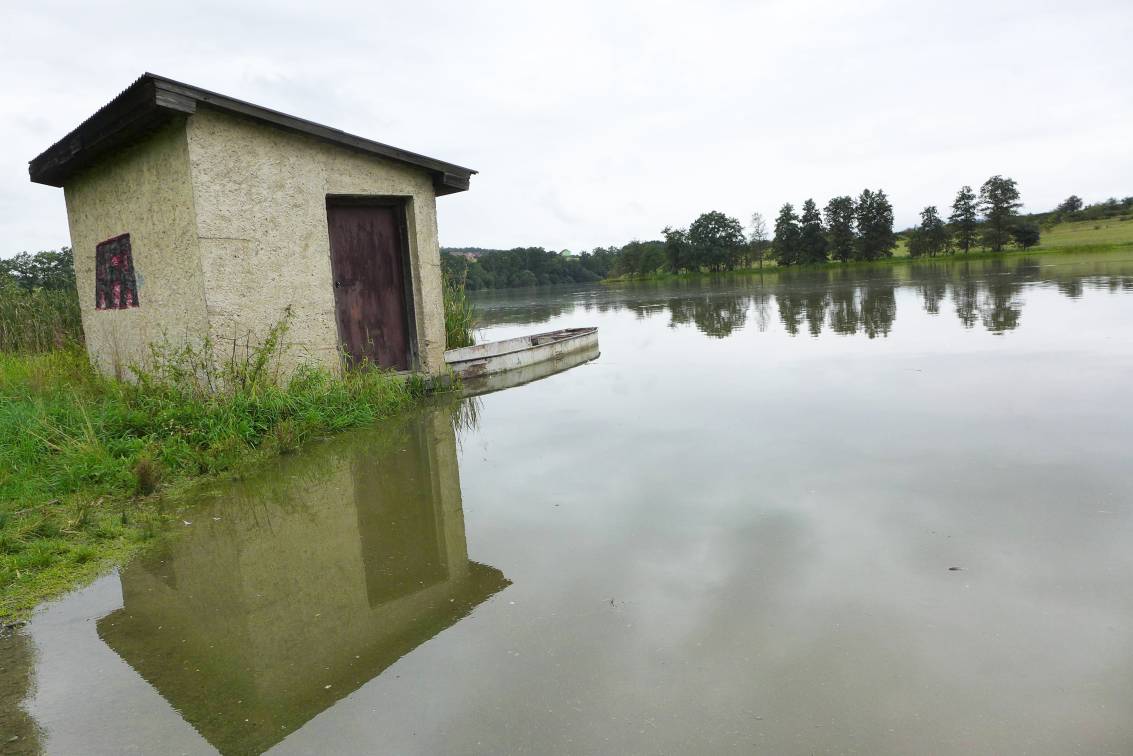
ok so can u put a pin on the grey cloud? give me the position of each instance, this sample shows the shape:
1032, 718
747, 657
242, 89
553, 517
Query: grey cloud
595, 123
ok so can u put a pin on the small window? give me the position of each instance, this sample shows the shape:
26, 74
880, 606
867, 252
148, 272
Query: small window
115, 287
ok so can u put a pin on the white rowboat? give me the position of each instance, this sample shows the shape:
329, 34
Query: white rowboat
525, 351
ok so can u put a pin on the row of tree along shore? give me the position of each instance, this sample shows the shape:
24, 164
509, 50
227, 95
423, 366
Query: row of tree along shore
846, 229
843, 299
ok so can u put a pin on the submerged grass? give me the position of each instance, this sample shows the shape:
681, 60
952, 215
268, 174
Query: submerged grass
84, 460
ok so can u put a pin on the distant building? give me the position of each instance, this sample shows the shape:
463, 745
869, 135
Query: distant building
199, 218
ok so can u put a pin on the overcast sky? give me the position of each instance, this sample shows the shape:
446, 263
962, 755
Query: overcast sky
595, 123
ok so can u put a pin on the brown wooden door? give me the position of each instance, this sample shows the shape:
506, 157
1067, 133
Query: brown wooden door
368, 266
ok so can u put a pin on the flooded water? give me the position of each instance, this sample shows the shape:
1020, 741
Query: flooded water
871, 512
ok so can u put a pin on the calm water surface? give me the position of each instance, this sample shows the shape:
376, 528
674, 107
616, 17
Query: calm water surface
883, 512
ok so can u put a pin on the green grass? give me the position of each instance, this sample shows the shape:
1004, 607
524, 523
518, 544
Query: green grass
1088, 233
1079, 235
86, 462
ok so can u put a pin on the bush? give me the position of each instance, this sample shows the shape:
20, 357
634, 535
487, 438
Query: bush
1026, 234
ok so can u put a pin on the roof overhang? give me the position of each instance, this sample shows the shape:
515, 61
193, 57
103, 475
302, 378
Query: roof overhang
152, 101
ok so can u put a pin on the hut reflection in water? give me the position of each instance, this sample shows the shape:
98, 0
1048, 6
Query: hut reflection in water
301, 584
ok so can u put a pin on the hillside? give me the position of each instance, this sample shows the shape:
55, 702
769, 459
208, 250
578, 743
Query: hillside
1084, 234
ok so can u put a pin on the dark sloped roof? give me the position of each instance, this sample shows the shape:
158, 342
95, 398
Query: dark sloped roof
153, 100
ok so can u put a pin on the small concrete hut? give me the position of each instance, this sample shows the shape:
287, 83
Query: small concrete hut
198, 218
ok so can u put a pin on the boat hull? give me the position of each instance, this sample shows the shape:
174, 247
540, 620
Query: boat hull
487, 384
523, 352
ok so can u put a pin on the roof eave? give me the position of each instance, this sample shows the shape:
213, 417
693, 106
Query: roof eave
154, 100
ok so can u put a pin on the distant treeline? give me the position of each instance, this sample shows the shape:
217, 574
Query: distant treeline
1074, 209
51, 269
525, 266
846, 229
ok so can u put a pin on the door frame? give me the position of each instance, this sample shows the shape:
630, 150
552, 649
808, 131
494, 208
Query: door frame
400, 204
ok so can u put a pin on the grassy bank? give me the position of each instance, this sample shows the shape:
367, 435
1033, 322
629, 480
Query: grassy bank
87, 463
1066, 238
1077, 236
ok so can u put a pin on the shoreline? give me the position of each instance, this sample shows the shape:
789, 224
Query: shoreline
71, 514
775, 269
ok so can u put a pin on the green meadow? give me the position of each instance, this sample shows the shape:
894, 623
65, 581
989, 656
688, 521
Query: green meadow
1076, 236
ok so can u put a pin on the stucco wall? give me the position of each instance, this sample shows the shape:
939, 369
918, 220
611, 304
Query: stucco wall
144, 191
261, 218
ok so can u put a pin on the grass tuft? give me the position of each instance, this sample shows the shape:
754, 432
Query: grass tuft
147, 476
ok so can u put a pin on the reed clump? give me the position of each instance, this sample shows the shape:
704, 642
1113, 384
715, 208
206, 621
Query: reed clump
460, 315
38, 320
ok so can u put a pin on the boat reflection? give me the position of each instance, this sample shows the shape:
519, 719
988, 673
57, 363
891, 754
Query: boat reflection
487, 384
297, 586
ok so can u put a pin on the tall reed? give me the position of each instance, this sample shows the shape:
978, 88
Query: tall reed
460, 315
38, 320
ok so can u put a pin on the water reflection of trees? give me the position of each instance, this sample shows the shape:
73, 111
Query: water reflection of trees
849, 305
713, 316
989, 293
847, 300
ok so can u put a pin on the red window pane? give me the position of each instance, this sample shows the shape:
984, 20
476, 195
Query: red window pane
115, 287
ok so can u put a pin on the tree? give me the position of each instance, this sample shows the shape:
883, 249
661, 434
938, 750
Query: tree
678, 251
840, 227
916, 243
652, 257
758, 238
963, 218
597, 263
1071, 204
874, 216
812, 237
1026, 234
785, 245
718, 240
933, 232
54, 270
999, 199
638, 258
